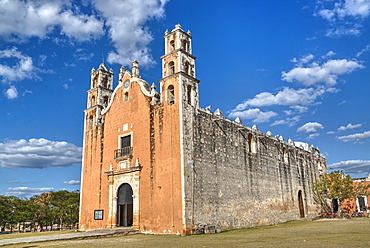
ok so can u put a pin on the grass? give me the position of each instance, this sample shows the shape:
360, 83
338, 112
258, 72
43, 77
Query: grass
322, 233
32, 234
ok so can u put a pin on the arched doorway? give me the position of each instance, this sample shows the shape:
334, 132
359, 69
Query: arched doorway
300, 203
125, 205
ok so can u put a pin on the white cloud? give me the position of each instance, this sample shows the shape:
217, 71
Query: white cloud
346, 8
126, 21
304, 60
23, 69
27, 191
38, 153
349, 127
340, 31
72, 182
326, 73
11, 93
81, 55
288, 121
328, 55
355, 137
314, 135
286, 97
310, 127
352, 166
24, 19
14, 181
363, 50
123, 20
346, 16
256, 114
300, 109
27, 92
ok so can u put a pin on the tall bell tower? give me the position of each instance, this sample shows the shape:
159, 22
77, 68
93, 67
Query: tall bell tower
180, 102
101, 89
179, 83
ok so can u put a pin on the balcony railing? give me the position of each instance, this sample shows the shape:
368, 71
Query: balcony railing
123, 152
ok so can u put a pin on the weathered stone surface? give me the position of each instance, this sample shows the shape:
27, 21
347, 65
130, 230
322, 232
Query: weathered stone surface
230, 186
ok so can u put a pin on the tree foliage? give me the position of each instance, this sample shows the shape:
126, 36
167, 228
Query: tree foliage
48, 209
337, 185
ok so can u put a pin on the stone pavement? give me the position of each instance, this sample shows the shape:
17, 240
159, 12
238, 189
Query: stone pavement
76, 235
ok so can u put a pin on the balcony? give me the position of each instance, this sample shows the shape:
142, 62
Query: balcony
123, 153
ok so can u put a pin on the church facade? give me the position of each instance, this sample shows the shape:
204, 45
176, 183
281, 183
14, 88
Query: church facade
156, 161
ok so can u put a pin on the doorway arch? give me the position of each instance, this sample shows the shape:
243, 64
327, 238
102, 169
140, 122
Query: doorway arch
335, 205
300, 204
125, 205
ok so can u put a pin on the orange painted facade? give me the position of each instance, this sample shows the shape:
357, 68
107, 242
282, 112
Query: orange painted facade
150, 160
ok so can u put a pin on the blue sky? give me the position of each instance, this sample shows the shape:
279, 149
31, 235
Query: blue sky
297, 68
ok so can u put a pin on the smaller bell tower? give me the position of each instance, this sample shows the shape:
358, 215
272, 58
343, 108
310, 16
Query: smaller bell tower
178, 68
101, 89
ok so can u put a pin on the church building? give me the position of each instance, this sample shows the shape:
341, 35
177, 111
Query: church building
158, 162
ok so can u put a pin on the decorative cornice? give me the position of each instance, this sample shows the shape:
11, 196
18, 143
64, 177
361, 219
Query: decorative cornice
123, 171
179, 73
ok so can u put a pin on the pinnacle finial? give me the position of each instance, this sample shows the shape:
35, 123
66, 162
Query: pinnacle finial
238, 120
135, 68
254, 127
218, 112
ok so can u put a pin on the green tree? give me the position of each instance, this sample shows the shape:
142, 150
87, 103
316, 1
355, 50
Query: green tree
65, 206
47, 209
337, 185
6, 210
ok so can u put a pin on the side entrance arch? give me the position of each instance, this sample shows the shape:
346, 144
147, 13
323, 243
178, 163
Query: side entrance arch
300, 204
125, 205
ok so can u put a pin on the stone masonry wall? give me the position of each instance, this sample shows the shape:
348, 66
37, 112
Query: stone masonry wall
229, 185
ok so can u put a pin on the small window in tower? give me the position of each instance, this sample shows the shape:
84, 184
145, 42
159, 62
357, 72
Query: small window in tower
187, 67
252, 144
105, 82
106, 100
171, 95
95, 80
189, 91
171, 68
125, 97
185, 45
92, 102
172, 45
91, 122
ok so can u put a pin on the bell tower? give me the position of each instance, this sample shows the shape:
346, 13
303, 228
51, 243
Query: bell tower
179, 83
101, 89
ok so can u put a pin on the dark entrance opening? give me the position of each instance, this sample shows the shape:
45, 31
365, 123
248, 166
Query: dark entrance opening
300, 203
125, 205
335, 205
361, 204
